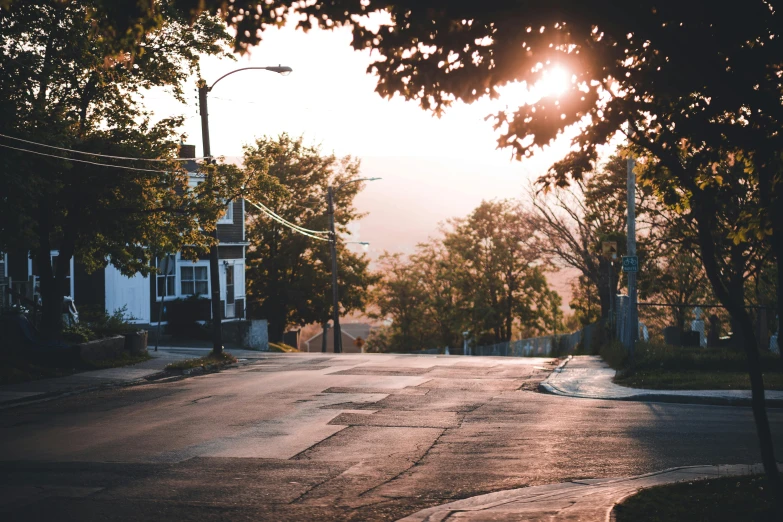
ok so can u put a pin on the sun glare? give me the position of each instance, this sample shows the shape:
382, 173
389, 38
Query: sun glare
553, 82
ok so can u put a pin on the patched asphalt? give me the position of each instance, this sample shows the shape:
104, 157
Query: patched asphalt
349, 437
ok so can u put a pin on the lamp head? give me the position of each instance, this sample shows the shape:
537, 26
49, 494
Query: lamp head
283, 70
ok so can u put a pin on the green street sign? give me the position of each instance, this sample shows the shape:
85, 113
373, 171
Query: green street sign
630, 264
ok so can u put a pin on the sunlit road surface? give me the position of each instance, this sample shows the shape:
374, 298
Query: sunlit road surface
347, 437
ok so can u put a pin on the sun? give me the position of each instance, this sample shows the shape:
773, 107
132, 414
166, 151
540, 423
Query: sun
554, 82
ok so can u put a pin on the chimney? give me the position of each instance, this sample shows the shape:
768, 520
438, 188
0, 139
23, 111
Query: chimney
187, 151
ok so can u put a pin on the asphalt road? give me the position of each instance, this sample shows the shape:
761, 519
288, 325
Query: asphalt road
348, 437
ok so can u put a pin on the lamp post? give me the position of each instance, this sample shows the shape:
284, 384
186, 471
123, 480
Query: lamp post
338, 345
214, 268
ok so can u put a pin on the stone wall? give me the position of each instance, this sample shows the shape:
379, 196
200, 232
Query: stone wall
251, 334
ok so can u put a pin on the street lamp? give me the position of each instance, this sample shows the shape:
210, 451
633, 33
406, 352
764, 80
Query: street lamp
338, 344
214, 268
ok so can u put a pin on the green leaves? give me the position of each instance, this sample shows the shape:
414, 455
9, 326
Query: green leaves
482, 276
289, 274
66, 84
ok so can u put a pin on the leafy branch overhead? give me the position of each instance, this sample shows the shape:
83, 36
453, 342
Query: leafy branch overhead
65, 85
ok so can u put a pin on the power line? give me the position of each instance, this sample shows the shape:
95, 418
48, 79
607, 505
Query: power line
267, 209
287, 223
96, 154
293, 227
283, 222
83, 161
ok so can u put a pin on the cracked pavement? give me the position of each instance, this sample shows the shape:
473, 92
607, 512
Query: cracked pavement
347, 437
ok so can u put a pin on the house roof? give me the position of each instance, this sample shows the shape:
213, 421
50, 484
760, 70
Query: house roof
355, 330
352, 330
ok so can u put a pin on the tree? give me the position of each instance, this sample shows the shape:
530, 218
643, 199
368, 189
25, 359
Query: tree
482, 276
65, 86
585, 301
500, 282
575, 221
289, 274
401, 296
437, 269
719, 204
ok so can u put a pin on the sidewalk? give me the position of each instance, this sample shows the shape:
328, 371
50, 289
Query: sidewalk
583, 500
13, 394
588, 377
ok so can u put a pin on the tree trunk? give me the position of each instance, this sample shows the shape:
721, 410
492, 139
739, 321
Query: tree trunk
51, 297
747, 339
51, 321
276, 328
777, 250
323, 337
732, 298
771, 198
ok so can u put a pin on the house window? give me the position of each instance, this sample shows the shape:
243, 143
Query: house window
228, 217
194, 280
230, 302
167, 272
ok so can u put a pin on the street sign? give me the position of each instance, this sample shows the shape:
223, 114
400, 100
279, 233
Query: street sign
630, 264
609, 249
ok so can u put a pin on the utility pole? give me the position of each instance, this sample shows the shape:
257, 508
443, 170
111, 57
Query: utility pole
611, 298
633, 320
214, 266
338, 346
323, 336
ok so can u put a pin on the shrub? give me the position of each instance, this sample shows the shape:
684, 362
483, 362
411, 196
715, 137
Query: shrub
183, 315
658, 356
105, 325
615, 354
78, 333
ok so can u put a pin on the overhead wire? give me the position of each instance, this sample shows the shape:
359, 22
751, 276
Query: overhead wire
100, 155
267, 209
83, 161
282, 220
293, 227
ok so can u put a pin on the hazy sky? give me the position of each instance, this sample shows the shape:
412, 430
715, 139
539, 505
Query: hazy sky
432, 169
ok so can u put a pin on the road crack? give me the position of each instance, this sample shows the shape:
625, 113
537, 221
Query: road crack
415, 463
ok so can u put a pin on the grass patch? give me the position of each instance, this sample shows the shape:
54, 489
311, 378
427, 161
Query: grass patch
282, 348
223, 359
695, 380
18, 370
664, 367
728, 499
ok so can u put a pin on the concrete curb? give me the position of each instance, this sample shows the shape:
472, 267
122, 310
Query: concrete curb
649, 395
160, 377
562, 365
587, 499
44, 397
